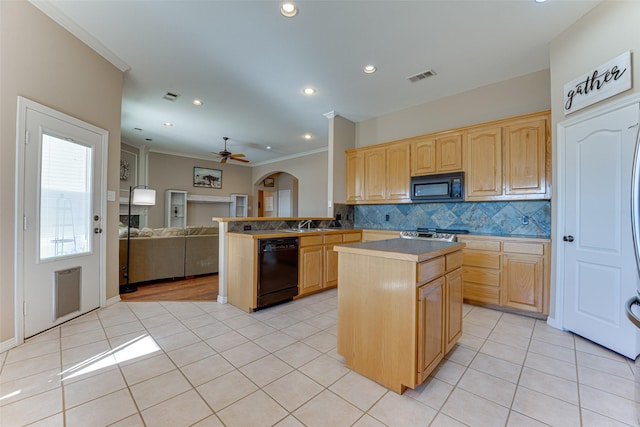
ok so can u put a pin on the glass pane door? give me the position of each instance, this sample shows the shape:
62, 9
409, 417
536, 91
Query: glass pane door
65, 198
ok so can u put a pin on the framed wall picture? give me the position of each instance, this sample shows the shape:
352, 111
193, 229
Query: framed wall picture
268, 182
128, 169
205, 177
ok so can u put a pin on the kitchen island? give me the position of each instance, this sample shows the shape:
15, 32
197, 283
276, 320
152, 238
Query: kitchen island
399, 308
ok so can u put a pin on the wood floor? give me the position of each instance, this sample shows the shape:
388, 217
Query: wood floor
201, 288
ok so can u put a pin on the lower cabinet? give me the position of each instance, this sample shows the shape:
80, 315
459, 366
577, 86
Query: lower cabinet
431, 309
507, 272
318, 262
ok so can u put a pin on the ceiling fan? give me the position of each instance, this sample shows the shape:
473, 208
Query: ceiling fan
228, 155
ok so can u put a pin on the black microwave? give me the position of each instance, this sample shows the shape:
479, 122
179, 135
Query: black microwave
444, 187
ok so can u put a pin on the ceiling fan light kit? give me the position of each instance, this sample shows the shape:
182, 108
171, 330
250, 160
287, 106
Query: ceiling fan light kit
228, 155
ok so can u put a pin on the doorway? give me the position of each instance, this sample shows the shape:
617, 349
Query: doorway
277, 195
59, 247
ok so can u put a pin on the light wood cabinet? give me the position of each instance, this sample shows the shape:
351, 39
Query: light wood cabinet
431, 316
379, 175
525, 157
436, 154
373, 235
398, 336
355, 176
509, 160
397, 174
375, 174
507, 272
318, 262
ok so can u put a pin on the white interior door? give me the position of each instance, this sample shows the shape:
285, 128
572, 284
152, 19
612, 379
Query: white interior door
61, 237
600, 270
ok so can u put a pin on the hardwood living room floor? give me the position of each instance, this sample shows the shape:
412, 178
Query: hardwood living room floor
201, 288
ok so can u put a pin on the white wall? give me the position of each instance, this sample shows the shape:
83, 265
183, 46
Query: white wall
605, 32
525, 94
311, 172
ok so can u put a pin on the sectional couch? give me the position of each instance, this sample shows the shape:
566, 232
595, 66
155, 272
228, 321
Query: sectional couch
165, 253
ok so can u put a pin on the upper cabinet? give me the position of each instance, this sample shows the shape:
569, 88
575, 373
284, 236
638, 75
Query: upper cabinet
507, 159
379, 174
436, 154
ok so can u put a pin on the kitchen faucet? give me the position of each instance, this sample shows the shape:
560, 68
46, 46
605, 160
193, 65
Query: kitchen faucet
306, 222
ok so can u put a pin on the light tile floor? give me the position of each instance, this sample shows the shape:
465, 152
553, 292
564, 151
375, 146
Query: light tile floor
205, 364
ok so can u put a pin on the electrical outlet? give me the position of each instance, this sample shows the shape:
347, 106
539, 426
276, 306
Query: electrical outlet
247, 228
525, 220
386, 217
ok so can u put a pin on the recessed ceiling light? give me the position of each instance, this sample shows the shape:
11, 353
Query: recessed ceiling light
288, 9
168, 124
309, 91
268, 147
197, 102
370, 69
307, 136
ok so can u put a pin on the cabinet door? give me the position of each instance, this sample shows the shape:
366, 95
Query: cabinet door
398, 172
355, 176
449, 153
330, 266
484, 164
430, 327
374, 174
522, 282
525, 157
423, 156
453, 322
310, 269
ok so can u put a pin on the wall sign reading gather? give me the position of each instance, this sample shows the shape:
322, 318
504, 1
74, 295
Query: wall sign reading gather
605, 81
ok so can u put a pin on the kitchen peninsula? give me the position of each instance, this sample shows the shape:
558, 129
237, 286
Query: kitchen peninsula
399, 308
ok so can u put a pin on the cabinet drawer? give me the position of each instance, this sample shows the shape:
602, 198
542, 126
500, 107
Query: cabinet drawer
454, 260
483, 276
524, 248
481, 259
480, 293
431, 269
332, 238
310, 241
351, 237
482, 245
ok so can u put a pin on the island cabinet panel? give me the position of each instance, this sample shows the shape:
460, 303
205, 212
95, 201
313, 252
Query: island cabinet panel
398, 315
431, 309
243, 273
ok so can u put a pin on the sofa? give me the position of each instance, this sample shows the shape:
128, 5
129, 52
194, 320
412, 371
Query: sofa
165, 253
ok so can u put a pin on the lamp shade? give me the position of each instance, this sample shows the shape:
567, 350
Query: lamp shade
143, 197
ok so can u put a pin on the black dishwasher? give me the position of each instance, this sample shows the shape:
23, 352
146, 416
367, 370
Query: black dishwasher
277, 270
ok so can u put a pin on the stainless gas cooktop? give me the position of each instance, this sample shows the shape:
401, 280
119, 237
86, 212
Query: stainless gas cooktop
446, 235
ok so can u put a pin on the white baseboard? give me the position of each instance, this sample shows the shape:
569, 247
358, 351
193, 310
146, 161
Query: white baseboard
8, 344
551, 321
113, 300
222, 300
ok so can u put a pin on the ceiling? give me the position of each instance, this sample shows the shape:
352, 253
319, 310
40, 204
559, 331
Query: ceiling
249, 64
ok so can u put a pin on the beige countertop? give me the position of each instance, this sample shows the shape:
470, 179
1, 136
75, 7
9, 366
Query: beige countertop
269, 218
403, 249
260, 234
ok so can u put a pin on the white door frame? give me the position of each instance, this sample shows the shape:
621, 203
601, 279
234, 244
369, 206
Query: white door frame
25, 104
556, 319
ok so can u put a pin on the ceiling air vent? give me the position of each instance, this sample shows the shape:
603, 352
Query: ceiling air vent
421, 76
170, 96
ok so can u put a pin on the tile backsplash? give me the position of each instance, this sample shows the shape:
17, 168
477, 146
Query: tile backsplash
498, 218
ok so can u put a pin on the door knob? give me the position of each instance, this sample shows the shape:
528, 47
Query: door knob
568, 238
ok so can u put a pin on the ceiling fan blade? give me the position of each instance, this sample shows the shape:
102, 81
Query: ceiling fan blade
239, 160
237, 155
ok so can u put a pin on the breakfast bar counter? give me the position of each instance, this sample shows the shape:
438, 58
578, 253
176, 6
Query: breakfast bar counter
399, 308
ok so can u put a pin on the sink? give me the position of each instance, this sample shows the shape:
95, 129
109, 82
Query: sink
305, 230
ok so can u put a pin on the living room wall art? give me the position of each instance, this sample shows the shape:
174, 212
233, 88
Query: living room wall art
205, 177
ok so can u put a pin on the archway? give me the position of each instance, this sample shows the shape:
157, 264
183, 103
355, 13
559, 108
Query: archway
276, 195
